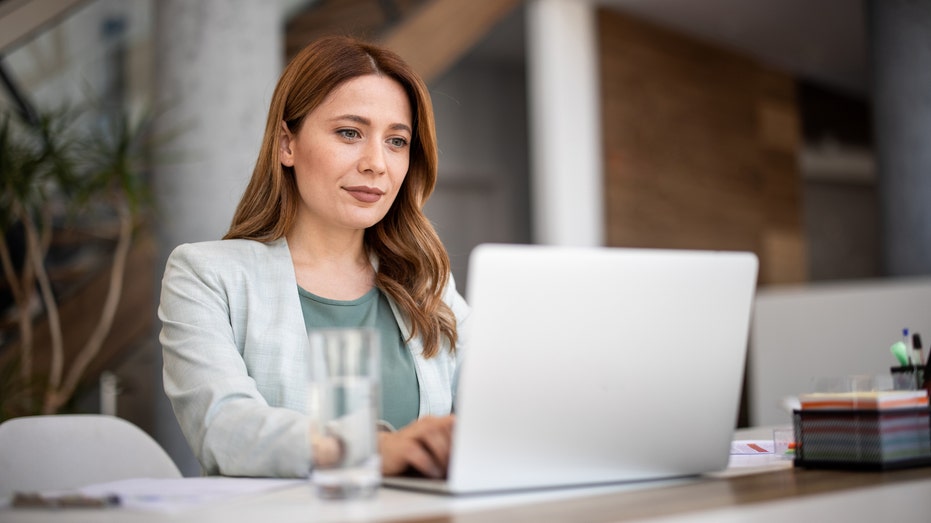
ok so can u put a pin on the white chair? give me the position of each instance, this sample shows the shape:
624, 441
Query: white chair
40, 453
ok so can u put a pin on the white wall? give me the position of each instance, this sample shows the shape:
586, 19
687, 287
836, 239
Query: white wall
802, 334
482, 192
217, 62
565, 123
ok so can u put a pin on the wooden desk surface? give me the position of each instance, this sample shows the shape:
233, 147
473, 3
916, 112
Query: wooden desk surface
793, 495
705, 495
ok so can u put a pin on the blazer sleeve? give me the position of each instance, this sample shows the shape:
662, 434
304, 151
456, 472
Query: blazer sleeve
230, 426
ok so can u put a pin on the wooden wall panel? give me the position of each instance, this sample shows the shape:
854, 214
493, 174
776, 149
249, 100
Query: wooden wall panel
700, 148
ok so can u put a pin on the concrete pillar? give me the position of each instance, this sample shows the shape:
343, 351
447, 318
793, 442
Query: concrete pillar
216, 64
900, 48
566, 174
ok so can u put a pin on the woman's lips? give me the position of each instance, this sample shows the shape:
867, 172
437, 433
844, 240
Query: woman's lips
365, 194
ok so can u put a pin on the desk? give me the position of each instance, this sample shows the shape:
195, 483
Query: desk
779, 494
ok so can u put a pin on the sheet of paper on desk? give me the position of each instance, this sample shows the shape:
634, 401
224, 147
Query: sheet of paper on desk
752, 447
170, 495
752, 457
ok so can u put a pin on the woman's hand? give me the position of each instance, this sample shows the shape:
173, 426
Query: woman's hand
423, 445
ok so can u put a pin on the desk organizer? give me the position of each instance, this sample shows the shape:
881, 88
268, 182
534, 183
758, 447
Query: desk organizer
862, 439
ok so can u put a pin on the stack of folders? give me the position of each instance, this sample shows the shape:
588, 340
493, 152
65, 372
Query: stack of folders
871, 430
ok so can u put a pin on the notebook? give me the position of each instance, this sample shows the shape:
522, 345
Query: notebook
589, 365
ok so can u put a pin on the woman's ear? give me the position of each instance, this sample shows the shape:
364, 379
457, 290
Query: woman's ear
285, 152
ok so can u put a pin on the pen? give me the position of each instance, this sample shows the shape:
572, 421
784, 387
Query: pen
909, 353
35, 500
917, 354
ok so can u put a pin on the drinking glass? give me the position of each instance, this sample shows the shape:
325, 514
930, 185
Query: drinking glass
342, 401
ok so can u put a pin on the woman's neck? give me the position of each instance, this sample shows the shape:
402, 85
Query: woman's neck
334, 266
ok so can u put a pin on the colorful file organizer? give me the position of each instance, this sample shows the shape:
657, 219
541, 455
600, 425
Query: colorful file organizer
866, 430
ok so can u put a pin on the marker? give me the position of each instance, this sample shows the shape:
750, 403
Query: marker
917, 354
900, 351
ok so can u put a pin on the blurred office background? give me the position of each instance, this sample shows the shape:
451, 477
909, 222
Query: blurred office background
797, 130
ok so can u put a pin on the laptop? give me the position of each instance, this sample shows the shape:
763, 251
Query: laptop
590, 365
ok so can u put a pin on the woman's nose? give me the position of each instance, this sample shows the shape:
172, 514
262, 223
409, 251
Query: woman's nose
373, 158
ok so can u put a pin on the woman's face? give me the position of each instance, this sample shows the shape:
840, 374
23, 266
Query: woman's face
351, 154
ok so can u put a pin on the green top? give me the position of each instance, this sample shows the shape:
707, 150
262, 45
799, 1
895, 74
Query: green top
400, 395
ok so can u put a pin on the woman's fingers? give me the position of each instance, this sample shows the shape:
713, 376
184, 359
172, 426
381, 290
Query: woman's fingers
437, 439
425, 462
401, 452
423, 445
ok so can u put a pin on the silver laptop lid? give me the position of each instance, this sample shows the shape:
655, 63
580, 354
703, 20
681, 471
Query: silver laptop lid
592, 365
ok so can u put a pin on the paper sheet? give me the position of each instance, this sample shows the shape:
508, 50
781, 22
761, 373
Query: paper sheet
170, 495
752, 447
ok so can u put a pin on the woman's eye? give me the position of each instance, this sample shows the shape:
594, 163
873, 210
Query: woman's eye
397, 142
351, 134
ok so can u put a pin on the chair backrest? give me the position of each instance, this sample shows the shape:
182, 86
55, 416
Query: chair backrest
40, 453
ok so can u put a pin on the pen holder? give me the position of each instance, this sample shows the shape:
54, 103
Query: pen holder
908, 377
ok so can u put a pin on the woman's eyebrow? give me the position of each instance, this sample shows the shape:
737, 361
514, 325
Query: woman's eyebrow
353, 118
402, 127
365, 121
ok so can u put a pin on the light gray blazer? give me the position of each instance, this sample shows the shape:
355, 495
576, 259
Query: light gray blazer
234, 345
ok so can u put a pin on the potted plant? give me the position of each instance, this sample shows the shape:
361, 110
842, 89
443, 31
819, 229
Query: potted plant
64, 169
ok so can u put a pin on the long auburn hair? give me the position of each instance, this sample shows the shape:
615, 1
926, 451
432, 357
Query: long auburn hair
413, 265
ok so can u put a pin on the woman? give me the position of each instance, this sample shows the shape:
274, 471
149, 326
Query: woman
330, 232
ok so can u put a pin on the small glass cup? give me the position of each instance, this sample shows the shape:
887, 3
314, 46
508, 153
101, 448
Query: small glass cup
784, 443
342, 402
